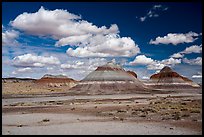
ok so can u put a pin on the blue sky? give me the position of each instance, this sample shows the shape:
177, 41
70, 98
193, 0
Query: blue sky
74, 38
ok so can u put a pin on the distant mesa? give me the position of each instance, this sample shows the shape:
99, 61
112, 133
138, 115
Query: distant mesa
56, 81
169, 78
54, 76
17, 80
110, 78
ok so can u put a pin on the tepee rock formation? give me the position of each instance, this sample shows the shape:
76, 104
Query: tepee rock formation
167, 78
109, 79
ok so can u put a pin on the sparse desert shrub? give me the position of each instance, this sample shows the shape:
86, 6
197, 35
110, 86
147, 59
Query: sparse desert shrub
152, 110
185, 115
157, 102
167, 113
147, 109
20, 125
45, 120
134, 113
59, 103
168, 102
183, 103
121, 119
51, 101
121, 111
176, 117
143, 115
13, 105
98, 103
195, 111
72, 108
176, 112
184, 109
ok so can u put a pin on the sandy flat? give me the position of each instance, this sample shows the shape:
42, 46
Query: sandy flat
118, 96
126, 114
67, 124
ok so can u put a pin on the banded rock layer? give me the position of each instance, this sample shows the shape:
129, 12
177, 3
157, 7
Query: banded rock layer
109, 79
167, 78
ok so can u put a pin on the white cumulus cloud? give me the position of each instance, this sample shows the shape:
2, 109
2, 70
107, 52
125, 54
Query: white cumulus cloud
30, 60
177, 55
141, 59
9, 37
193, 49
158, 65
196, 61
22, 70
106, 46
45, 22
197, 76
73, 40
174, 38
188, 50
171, 61
70, 29
84, 64
154, 64
57, 23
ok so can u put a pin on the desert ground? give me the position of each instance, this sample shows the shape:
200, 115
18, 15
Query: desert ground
53, 111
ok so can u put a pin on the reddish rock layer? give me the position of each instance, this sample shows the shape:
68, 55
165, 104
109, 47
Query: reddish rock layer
55, 80
132, 73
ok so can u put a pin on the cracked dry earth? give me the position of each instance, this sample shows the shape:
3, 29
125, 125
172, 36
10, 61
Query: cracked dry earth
111, 114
